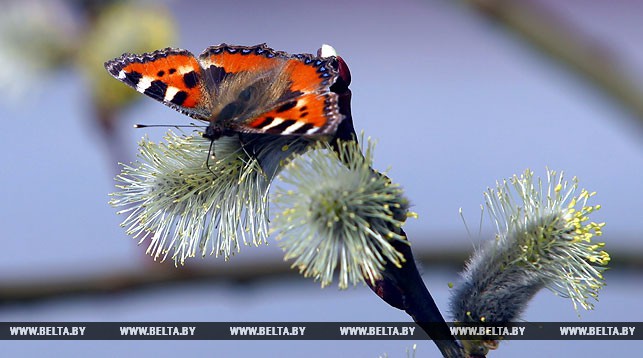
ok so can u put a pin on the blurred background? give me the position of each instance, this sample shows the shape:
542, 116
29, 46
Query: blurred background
458, 94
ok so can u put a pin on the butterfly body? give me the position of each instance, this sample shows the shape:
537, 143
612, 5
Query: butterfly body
239, 89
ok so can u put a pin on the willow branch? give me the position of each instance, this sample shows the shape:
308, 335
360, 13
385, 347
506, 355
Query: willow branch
401, 287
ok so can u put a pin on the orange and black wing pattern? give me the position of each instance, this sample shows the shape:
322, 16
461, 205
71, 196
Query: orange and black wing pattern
171, 76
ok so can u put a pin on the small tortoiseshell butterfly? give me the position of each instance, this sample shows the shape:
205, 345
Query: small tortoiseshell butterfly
239, 89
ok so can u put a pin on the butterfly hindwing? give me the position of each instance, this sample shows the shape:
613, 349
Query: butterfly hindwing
307, 114
171, 76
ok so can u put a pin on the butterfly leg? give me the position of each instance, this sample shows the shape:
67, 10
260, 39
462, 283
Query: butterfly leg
210, 154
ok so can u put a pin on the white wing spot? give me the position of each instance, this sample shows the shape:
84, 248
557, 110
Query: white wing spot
184, 69
312, 130
121, 75
275, 122
293, 127
144, 83
170, 93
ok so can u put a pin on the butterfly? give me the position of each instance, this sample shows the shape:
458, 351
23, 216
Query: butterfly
239, 89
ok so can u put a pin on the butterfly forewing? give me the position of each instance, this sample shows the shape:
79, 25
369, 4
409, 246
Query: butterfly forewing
234, 59
171, 76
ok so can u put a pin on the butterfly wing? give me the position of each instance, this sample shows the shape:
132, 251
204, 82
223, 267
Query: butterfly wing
171, 76
307, 114
259, 90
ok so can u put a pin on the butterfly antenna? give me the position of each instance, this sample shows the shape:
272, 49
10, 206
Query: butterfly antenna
191, 125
